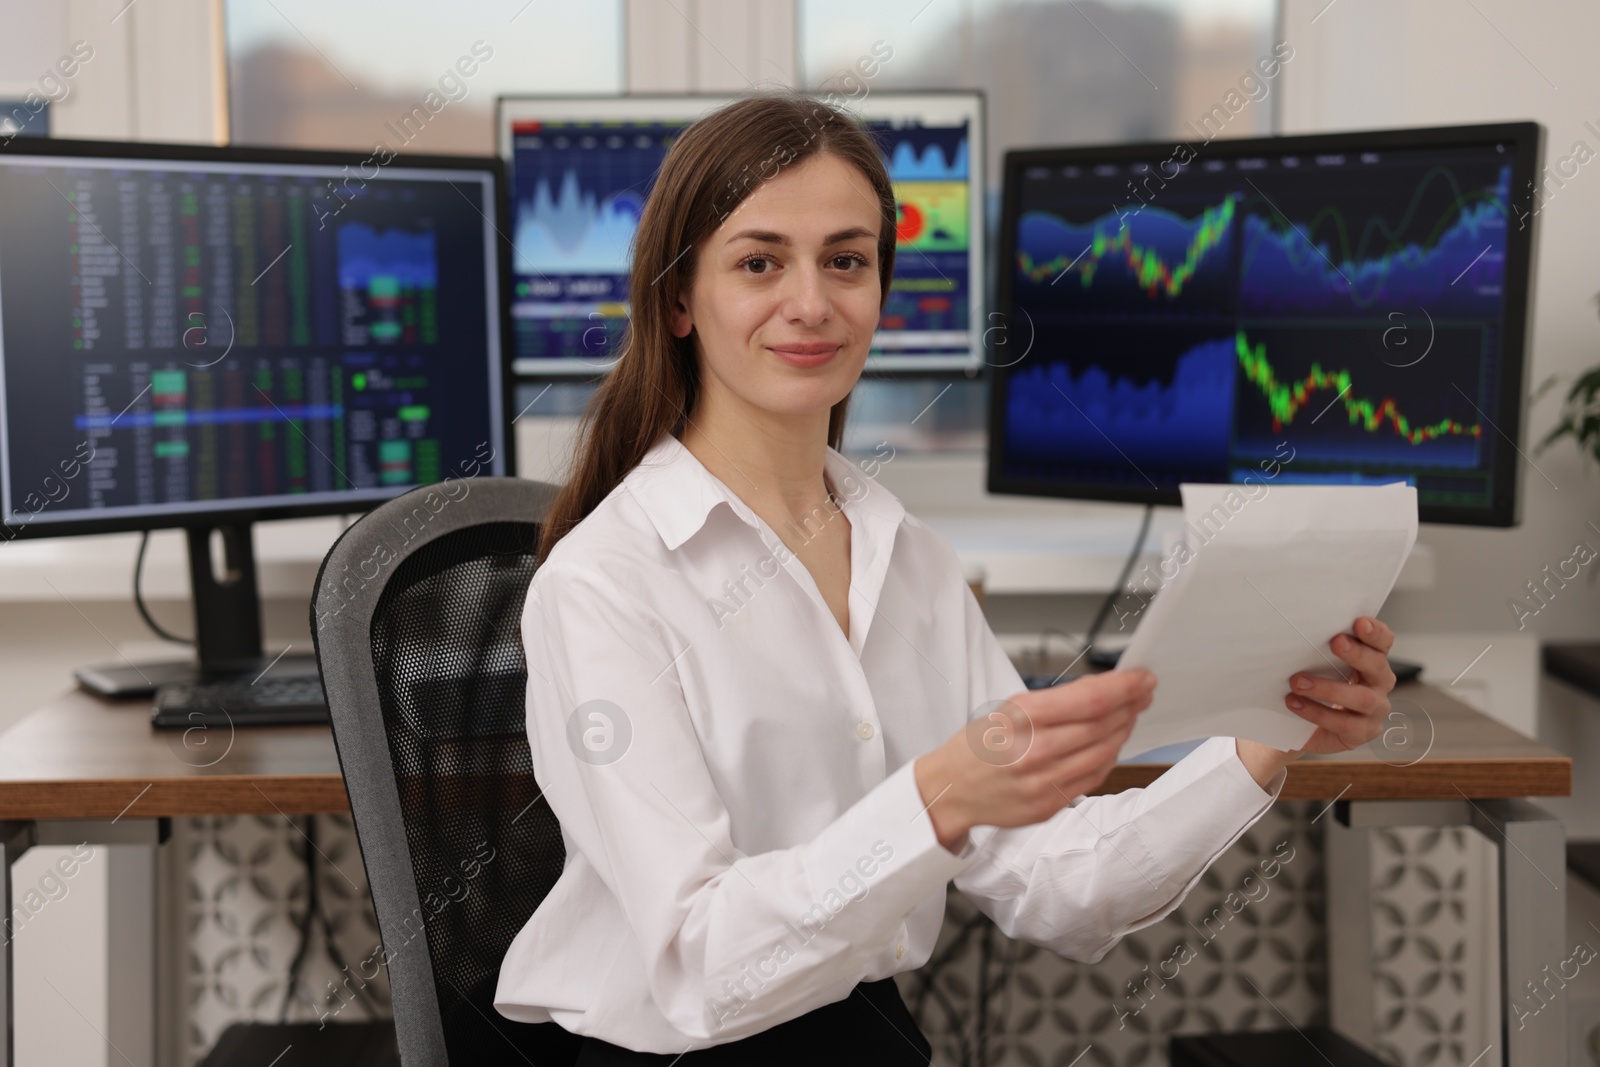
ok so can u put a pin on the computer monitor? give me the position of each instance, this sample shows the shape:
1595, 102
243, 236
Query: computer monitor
581, 168
205, 337
1343, 308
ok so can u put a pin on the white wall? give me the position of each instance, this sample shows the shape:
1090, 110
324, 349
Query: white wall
705, 46
1372, 63
154, 71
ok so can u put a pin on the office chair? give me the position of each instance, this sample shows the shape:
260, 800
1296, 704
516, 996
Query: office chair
415, 619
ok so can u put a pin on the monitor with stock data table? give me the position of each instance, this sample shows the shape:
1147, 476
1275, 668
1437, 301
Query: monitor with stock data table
204, 337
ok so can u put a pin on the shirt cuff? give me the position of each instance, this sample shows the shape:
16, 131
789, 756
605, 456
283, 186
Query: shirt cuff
1195, 812
885, 843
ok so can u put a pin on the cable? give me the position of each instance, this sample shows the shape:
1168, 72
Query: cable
337, 956
138, 597
981, 1035
1007, 955
315, 913
927, 985
1044, 643
1116, 590
928, 975
305, 922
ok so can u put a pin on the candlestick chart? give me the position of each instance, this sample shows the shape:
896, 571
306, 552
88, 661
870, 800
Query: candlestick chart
1349, 308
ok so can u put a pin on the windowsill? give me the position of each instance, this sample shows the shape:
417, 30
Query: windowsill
1024, 545
100, 567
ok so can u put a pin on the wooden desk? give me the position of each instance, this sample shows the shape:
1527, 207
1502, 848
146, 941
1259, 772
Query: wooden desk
82, 757
1441, 763
1434, 748
82, 768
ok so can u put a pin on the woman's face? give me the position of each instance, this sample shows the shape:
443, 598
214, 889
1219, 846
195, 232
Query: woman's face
785, 293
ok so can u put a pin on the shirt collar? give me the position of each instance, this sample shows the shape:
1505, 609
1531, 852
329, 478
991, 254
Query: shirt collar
678, 493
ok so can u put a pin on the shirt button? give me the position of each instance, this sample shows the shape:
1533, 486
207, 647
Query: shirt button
864, 730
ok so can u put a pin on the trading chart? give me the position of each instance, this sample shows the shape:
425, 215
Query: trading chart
1188, 324
580, 186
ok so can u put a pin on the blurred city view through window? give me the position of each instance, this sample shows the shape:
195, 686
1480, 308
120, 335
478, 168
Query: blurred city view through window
1054, 72
411, 75
358, 73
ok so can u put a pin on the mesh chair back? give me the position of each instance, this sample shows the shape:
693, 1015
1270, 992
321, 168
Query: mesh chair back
416, 618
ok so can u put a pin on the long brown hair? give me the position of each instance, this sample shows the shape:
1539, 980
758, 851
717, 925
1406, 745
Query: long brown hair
710, 169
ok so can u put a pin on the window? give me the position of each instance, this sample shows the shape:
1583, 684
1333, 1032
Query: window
356, 73
1054, 72
352, 74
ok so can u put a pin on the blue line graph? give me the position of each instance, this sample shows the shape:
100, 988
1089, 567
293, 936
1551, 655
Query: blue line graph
210, 416
1295, 267
930, 163
574, 231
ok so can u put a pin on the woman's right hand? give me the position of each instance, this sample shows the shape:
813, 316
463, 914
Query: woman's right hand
1026, 758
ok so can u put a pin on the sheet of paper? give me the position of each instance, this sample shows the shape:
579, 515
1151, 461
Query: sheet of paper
1259, 580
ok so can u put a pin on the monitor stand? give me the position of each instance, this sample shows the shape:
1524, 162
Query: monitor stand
227, 624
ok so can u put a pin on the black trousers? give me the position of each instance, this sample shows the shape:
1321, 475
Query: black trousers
871, 1025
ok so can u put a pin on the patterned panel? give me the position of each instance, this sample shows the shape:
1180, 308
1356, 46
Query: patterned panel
1244, 951
245, 898
1432, 946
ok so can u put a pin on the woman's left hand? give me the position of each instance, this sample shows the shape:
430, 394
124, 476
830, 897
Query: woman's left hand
1348, 714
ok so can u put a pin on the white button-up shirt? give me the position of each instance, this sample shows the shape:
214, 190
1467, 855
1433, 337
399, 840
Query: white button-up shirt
733, 775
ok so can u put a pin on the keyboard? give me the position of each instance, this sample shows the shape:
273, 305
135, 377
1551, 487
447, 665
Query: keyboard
269, 701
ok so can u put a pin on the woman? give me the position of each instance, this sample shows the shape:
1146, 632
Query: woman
760, 692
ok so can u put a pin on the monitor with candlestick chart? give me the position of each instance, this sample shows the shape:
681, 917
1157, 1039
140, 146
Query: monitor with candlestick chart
1335, 309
